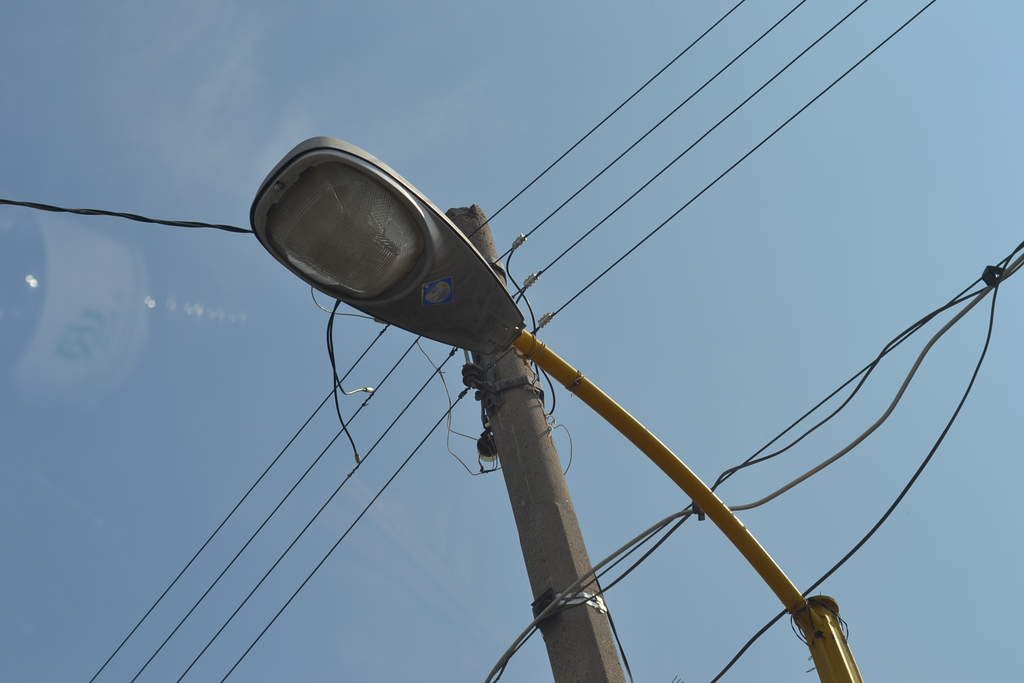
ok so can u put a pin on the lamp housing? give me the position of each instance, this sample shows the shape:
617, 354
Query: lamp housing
351, 227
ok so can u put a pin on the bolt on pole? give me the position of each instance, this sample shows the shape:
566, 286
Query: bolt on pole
579, 639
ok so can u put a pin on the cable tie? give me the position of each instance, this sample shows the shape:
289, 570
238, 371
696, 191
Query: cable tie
544, 319
993, 275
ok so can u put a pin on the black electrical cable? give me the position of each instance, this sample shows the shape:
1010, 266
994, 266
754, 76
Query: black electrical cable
120, 214
323, 506
743, 158
533, 321
227, 517
608, 116
501, 671
899, 498
335, 380
266, 520
657, 125
864, 373
351, 526
703, 136
962, 296
622, 650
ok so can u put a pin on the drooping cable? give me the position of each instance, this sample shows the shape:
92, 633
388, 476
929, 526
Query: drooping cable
227, 517
739, 161
863, 374
657, 125
635, 544
451, 405
877, 423
120, 214
319, 511
336, 381
610, 114
267, 519
892, 507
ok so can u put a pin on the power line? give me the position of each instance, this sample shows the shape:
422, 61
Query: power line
657, 125
997, 275
899, 498
610, 114
224, 521
741, 159
267, 519
319, 511
324, 559
706, 133
877, 423
119, 214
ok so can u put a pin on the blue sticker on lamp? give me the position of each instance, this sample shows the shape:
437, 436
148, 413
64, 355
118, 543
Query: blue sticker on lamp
438, 292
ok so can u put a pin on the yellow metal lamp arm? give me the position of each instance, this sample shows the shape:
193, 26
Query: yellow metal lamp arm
818, 617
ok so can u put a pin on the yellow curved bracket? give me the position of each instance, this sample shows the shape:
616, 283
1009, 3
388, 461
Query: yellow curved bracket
834, 646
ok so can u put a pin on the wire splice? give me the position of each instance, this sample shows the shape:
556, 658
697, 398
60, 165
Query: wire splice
544, 320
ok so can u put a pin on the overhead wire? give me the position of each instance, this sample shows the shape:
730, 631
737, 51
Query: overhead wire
637, 542
743, 158
608, 116
319, 511
267, 519
341, 538
876, 424
899, 498
120, 214
574, 588
227, 517
653, 128
863, 374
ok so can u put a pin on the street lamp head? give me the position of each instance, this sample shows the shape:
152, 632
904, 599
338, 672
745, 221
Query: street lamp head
351, 227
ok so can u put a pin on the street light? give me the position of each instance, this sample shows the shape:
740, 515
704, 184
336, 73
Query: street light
351, 227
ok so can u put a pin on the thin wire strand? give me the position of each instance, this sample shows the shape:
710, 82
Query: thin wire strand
119, 214
739, 161
568, 434
264, 523
657, 125
318, 512
608, 116
227, 517
451, 406
312, 295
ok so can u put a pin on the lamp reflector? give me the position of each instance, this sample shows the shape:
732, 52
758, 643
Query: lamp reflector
345, 229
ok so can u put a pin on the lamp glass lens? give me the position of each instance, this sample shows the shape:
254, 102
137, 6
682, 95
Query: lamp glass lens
341, 227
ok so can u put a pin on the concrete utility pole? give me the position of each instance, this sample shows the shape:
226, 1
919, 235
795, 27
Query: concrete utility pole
579, 640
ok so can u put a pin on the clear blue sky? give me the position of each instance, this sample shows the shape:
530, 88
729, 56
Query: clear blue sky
153, 372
